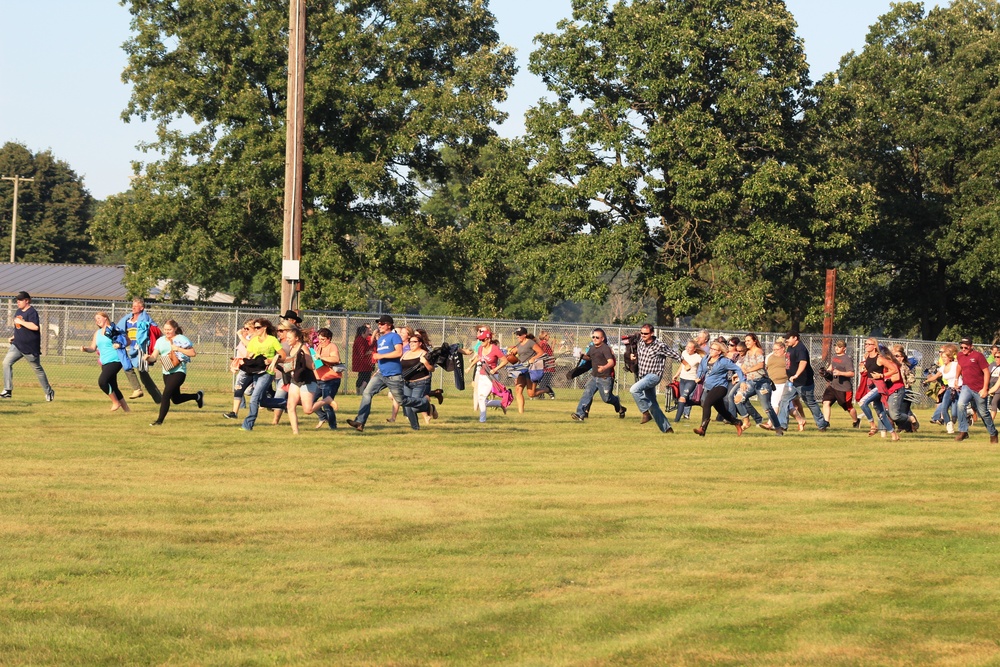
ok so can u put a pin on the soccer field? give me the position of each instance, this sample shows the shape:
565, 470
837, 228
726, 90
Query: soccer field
530, 539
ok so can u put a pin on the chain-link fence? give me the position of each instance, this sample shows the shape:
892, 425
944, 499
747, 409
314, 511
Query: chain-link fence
213, 331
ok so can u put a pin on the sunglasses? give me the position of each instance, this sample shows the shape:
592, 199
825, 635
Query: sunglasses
596, 338
646, 333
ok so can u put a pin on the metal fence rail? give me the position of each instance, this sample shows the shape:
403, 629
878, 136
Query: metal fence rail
213, 331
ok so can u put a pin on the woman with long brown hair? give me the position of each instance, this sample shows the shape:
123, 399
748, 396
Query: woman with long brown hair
173, 347
107, 345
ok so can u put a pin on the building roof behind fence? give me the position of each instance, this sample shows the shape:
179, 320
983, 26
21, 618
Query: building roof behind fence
92, 282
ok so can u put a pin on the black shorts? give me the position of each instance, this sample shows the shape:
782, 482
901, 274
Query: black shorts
842, 398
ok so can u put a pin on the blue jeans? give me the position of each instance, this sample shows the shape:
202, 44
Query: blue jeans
261, 385
395, 385
416, 391
644, 393
329, 389
13, 355
808, 395
687, 388
874, 399
604, 385
967, 396
762, 388
947, 409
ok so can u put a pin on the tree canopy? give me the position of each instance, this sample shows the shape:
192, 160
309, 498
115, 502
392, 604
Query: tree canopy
684, 159
390, 83
54, 211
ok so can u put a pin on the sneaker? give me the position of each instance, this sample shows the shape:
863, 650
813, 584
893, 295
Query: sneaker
157, 424
856, 424
357, 426
552, 394
950, 427
6, 394
200, 399
51, 396
136, 394
621, 413
229, 415
577, 418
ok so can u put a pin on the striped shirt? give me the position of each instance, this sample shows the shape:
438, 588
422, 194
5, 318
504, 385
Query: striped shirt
652, 356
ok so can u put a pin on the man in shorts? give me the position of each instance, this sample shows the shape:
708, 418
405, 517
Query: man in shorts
840, 387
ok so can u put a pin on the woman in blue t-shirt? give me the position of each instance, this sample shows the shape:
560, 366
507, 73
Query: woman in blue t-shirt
107, 342
174, 350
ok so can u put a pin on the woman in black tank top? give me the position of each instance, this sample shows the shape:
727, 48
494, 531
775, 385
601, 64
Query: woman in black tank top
417, 378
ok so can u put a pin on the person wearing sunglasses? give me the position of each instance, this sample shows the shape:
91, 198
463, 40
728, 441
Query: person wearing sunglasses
715, 373
264, 352
651, 355
974, 373
602, 377
241, 383
388, 351
528, 352
417, 374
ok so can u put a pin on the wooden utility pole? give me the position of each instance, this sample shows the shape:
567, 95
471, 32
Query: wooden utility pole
829, 310
291, 251
13, 225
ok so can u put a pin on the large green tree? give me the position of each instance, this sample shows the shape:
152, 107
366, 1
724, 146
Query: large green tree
680, 124
915, 118
54, 211
389, 84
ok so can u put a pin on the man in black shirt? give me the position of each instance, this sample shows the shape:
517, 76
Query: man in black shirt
26, 342
800, 383
602, 377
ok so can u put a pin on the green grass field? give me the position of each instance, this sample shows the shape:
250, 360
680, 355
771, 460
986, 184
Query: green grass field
528, 540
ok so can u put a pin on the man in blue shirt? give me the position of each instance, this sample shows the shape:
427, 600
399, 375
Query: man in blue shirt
26, 342
389, 373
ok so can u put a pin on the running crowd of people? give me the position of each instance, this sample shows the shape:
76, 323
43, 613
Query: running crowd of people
286, 366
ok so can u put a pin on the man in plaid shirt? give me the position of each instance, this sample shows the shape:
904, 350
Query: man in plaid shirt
652, 355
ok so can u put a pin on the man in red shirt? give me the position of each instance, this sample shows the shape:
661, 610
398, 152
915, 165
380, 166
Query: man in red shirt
975, 374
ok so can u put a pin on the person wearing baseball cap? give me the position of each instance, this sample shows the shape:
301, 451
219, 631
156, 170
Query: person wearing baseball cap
27, 343
974, 372
388, 352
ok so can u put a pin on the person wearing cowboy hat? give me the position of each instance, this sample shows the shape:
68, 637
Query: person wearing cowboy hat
291, 317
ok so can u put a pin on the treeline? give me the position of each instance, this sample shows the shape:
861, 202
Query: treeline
686, 163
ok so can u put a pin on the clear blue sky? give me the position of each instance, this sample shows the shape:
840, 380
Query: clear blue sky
61, 64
